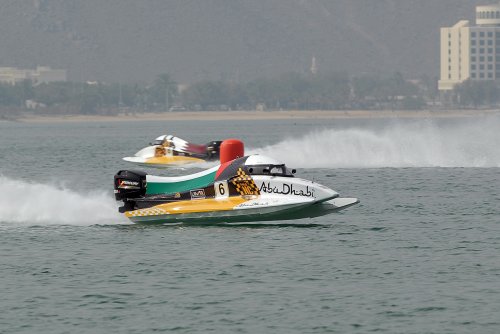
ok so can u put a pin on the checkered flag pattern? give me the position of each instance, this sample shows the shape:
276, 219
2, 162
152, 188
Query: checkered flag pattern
244, 184
147, 212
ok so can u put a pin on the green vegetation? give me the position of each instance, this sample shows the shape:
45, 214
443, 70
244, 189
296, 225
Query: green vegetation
476, 93
334, 90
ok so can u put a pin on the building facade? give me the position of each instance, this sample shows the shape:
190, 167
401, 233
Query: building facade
42, 74
471, 51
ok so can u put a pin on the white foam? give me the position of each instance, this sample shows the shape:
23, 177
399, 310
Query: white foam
470, 143
28, 204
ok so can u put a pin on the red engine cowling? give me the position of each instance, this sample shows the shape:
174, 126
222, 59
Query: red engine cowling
231, 149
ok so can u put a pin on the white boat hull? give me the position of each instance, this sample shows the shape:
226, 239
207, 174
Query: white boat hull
254, 212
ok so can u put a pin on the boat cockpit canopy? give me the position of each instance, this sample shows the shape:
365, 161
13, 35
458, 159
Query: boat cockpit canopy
157, 142
273, 170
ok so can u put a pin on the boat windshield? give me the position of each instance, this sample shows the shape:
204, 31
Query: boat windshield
273, 170
157, 142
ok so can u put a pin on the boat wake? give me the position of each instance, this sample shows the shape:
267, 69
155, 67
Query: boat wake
419, 144
29, 204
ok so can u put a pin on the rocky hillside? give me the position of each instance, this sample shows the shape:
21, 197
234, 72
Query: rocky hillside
131, 40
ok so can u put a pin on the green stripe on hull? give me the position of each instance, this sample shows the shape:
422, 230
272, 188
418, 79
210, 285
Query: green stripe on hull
181, 186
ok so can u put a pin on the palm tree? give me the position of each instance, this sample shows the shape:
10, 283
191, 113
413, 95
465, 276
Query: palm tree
164, 90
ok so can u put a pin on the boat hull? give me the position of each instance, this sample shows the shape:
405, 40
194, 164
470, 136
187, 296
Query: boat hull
240, 210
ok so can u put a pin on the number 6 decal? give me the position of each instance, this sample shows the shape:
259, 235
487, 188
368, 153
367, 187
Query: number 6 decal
221, 189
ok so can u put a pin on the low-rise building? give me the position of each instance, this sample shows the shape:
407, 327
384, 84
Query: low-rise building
41, 74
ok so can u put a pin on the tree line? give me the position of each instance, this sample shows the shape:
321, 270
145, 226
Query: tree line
327, 91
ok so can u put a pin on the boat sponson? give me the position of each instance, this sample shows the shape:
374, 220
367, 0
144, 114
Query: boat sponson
180, 186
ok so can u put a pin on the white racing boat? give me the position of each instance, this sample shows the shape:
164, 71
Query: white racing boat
250, 188
169, 151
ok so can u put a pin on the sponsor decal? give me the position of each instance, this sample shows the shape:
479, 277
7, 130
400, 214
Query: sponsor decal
197, 194
125, 184
244, 184
246, 187
177, 195
252, 204
286, 189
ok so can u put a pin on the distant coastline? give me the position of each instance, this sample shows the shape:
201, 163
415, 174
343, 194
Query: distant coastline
254, 115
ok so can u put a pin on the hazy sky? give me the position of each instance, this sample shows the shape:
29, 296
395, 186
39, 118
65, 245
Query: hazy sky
129, 40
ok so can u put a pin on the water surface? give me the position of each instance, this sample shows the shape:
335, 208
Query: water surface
419, 254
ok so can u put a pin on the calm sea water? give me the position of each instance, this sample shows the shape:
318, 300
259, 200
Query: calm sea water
419, 254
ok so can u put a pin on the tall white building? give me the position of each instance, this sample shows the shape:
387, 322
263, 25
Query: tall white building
471, 52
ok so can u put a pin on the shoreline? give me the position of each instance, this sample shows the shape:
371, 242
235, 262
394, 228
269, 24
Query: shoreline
254, 115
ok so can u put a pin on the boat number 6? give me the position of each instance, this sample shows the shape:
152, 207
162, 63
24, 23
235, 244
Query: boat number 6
221, 189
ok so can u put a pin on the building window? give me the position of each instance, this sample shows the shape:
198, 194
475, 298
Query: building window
498, 15
481, 42
473, 67
481, 58
490, 75
490, 67
481, 34
490, 58
490, 50
490, 33
473, 42
490, 42
481, 50
473, 50
473, 59
481, 75
473, 34
473, 75
481, 66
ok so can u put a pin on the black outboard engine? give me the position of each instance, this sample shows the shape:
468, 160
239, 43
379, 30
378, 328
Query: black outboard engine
129, 184
213, 149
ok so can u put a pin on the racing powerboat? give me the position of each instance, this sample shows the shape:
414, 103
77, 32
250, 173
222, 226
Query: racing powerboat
170, 151
246, 189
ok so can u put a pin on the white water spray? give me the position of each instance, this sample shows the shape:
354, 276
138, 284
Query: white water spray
419, 144
28, 204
